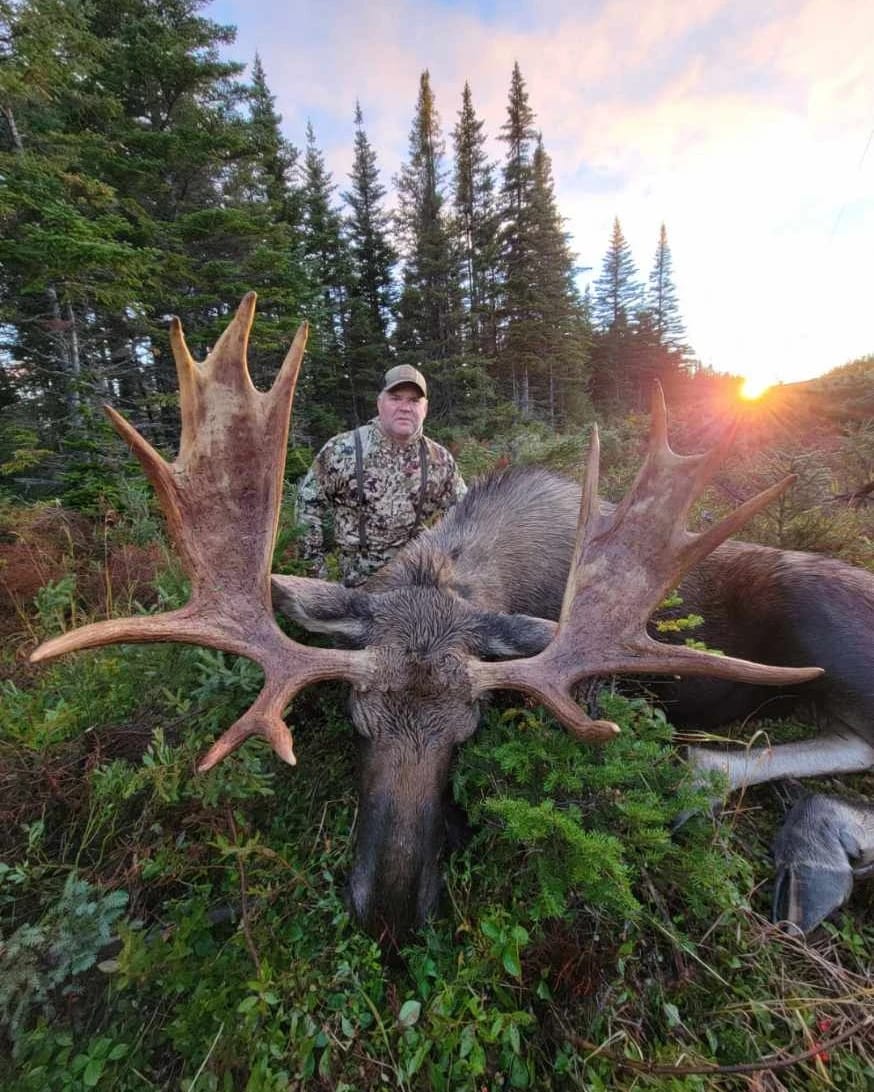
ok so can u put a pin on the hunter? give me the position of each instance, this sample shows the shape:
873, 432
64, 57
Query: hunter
377, 486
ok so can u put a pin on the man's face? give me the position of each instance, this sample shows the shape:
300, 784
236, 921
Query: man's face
401, 411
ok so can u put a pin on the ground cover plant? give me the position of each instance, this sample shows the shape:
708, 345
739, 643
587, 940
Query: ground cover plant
162, 929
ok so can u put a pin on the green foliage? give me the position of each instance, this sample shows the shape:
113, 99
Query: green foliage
585, 841
514, 442
55, 605
20, 450
572, 907
539, 446
569, 859
41, 960
96, 473
54, 1060
809, 516
680, 623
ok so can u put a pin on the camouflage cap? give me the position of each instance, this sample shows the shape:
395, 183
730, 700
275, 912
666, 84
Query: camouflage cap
405, 373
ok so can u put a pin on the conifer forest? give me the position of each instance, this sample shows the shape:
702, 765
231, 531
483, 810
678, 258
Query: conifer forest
167, 929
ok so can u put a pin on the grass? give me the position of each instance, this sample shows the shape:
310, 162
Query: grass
166, 930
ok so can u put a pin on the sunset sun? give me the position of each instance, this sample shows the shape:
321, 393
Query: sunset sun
754, 386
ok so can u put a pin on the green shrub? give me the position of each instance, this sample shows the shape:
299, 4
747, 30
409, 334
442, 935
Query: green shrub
578, 928
41, 961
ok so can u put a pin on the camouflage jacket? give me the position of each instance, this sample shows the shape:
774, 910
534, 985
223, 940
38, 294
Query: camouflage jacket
328, 494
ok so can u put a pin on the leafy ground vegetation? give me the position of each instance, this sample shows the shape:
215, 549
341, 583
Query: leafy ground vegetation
164, 930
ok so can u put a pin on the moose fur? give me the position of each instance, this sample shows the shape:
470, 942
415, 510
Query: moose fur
486, 580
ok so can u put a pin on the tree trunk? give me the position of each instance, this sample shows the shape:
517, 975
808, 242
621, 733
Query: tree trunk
8, 114
68, 354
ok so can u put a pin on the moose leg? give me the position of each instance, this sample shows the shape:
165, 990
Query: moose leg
827, 754
823, 845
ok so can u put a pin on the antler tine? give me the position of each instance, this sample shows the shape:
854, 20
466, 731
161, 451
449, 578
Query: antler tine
658, 411
659, 447
624, 563
221, 500
588, 514
186, 369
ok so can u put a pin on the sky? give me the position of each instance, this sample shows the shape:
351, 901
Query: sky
745, 126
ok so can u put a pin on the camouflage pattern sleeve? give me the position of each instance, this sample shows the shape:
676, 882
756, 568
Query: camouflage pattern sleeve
449, 482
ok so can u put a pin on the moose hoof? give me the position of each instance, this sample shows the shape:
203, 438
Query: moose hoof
812, 853
805, 895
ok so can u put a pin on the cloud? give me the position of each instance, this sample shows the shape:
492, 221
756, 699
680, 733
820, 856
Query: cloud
741, 125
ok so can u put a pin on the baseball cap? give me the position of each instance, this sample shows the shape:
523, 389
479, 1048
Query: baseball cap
405, 373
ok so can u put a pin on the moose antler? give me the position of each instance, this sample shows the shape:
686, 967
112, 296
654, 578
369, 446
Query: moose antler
221, 498
624, 563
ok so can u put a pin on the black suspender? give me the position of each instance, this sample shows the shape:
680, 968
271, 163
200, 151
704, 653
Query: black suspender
420, 503
359, 478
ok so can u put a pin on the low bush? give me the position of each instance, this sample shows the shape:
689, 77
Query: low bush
162, 929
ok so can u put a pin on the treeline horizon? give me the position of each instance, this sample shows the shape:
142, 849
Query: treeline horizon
141, 176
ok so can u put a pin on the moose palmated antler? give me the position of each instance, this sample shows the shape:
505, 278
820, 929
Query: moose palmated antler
624, 564
221, 498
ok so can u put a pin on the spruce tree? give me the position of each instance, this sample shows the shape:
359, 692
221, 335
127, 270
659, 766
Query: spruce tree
275, 163
261, 220
661, 300
616, 306
328, 394
618, 294
476, 225
428, 311
543, 361
68, 253
659, 338
520, 135
180, 121
561, 327
138, 175
519, 352
371, 259
179, 101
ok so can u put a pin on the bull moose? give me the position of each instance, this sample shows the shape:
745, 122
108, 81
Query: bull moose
528, 584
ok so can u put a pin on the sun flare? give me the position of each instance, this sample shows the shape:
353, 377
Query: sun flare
754, 387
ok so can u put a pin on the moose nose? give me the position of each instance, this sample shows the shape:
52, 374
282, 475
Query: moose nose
388, 911
395, 884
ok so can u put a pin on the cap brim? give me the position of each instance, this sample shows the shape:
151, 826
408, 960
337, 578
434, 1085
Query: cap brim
406, 383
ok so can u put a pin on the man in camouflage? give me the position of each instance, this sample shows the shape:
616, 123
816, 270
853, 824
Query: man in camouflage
377, 485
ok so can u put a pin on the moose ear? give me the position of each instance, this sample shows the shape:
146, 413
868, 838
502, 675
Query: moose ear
506, 636
322, 607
